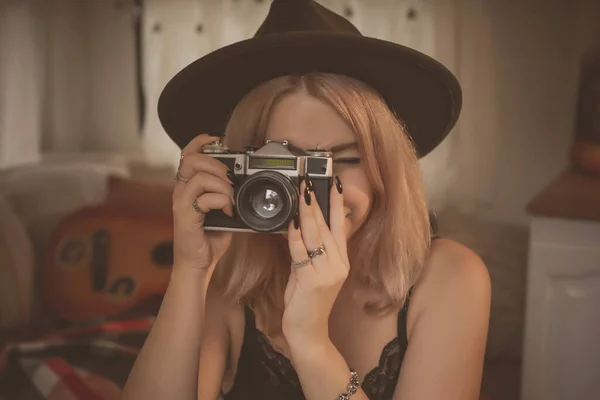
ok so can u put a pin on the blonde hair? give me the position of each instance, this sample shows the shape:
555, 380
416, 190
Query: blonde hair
395, 236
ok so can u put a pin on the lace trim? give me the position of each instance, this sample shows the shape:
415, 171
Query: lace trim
379, 383
276, 364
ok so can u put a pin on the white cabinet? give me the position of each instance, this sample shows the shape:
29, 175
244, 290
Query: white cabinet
561, 354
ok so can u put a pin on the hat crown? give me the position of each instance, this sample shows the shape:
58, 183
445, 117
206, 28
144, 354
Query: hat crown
287, 16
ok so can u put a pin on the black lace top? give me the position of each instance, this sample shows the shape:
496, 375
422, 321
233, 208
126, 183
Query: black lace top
265, 373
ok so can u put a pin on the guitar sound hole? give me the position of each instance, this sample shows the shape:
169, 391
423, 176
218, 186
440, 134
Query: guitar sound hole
122, 287
100, 259
72, 252
162, 254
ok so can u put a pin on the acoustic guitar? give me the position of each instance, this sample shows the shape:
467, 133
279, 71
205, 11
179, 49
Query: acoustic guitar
105, 260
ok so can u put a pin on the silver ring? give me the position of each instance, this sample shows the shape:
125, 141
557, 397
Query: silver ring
319, 251
180, 178
302, 263
195, 205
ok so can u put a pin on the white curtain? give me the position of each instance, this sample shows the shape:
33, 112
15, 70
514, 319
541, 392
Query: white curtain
177, 33
21, 83
66, 79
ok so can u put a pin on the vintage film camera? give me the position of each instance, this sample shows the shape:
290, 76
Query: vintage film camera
267, 193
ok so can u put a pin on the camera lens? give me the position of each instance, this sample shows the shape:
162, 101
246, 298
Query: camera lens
266, 201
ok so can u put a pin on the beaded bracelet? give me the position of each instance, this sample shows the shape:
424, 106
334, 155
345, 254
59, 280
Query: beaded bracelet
352, 386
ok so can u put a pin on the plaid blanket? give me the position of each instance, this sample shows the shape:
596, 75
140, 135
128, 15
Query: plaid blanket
88, 363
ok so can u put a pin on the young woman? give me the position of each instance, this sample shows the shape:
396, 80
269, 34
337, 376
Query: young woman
369, 307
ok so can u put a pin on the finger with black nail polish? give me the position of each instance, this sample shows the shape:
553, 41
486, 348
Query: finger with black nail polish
309, 183
338, 184
307, 196
232, 177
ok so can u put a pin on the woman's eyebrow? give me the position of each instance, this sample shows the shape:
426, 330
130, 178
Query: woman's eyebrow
343, 146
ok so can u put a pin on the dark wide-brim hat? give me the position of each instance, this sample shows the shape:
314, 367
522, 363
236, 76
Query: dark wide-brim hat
299, 37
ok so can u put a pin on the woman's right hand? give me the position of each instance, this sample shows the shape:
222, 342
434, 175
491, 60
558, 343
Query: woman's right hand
205, 180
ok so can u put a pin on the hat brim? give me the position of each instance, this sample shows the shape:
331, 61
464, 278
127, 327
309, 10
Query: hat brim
423, 93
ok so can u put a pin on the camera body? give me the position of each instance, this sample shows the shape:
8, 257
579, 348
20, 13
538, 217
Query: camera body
267, 192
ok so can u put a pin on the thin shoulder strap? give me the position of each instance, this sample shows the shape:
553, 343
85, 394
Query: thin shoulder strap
402, 314
250, 322
248, 351
247, 355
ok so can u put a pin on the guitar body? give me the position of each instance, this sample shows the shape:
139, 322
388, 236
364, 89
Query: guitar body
104, 260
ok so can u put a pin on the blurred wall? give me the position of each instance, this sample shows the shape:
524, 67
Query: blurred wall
518, 63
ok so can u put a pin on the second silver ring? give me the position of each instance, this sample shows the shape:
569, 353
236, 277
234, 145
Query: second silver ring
301, 263
180, 178
319, 251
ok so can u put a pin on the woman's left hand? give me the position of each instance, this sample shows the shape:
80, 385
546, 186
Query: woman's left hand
312, 288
